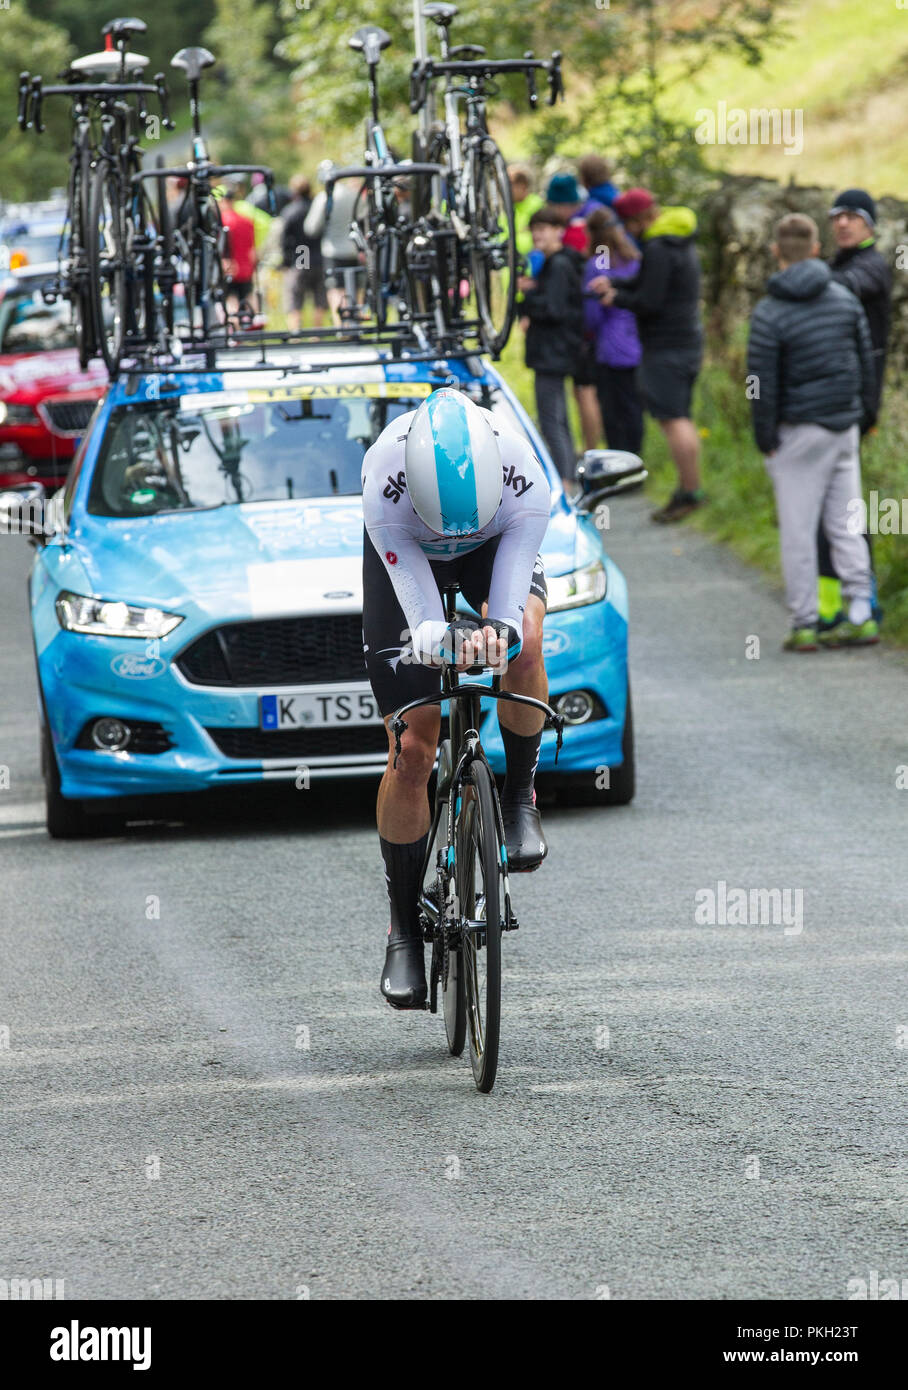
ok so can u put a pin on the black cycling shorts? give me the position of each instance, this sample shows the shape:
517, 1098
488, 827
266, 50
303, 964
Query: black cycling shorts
393, 674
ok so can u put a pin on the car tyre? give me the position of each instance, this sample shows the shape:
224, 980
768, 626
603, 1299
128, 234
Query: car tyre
66, 817
581, 790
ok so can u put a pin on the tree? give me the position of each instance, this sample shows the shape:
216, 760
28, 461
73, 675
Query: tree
332, 80
252, 112
619, 63
30, 164
172, 24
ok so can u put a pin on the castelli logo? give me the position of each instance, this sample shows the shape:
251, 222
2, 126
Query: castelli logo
390, 557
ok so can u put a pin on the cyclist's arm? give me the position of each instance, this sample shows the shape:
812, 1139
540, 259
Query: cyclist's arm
512, 573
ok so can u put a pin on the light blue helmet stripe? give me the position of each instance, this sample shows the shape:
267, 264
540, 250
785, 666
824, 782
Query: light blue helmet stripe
454, 467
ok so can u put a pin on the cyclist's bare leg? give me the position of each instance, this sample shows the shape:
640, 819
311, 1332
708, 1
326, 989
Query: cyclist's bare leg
526, 674
403, 824
403, 804
521, 732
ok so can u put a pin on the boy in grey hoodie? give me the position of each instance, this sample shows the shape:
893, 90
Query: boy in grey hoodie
811, 383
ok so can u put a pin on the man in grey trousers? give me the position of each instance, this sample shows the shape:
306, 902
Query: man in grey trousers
811, 382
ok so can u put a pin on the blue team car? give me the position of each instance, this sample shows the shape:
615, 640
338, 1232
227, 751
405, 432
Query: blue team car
196, 592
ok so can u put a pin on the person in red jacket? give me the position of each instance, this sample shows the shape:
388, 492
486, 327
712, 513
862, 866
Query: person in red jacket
240, 258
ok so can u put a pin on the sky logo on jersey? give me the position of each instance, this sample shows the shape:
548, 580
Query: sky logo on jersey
516, 480
395, 487
454, 466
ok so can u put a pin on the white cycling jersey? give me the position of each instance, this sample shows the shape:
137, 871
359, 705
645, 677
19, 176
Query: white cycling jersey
406, 545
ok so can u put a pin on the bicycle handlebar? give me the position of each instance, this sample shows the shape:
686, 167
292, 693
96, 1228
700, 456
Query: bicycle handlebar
208, 171
375, 171
398, 725
426, 70
103, 91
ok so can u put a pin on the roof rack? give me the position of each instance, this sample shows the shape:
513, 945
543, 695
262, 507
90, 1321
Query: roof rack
399, 340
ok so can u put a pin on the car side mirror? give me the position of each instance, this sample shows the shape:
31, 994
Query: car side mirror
25, 510
603, 472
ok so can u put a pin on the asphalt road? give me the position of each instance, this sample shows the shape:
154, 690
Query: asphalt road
214, 1101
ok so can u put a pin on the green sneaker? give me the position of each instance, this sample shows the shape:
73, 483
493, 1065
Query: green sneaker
846, 634
801, 639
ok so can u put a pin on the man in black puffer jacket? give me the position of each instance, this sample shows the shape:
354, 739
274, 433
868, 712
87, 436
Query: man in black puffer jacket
553, 304
857, 265
811, 382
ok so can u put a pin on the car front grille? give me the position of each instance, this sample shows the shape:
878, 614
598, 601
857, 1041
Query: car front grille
278, 651
69, 417
301, 743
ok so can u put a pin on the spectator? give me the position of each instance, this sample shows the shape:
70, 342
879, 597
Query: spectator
596, 175
617, 344
664, 296
811, 361
564, 200
240, 261
261, 220
553, 307
301, 258
563, 197
860, 268
339, 252
526, 202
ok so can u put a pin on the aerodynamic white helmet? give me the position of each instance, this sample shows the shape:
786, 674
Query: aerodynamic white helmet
452, 465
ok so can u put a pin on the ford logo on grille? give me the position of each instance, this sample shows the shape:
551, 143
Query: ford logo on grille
137, 668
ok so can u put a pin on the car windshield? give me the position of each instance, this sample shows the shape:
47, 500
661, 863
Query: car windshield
258, 445
28, 324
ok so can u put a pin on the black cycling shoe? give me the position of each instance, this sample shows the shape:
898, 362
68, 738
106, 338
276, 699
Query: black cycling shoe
523, 836
403, 980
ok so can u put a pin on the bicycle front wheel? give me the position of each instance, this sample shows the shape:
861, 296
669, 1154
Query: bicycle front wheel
478, 863
493, 249
106, 263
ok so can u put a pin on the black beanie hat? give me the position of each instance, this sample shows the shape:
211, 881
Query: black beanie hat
856, 200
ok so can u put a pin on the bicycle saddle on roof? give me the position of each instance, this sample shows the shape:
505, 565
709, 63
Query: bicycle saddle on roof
468, 51
370, 40
122, 28
108, 61
440, 14
193, 61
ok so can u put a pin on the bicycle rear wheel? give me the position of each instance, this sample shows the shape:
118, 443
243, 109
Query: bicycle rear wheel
493, 250
478, 866
106, 263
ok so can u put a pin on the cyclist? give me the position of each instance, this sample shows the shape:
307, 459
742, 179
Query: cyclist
449, 493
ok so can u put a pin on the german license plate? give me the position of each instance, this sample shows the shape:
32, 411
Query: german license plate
314, 709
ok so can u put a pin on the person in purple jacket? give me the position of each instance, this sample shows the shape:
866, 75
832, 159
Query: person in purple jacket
617, 344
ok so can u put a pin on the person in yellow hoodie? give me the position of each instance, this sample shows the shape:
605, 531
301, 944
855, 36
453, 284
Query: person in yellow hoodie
526, 202
665, 298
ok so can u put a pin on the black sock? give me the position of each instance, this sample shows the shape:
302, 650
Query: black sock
522, 754
403, 875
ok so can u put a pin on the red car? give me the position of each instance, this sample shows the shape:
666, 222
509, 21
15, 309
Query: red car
46, 400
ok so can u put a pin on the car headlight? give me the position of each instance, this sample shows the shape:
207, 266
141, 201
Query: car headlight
11, 414
586, 585
112, 617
